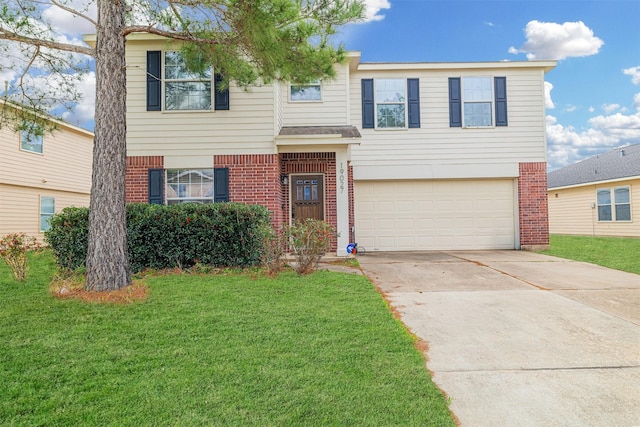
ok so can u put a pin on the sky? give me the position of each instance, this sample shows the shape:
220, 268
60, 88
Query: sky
592, 96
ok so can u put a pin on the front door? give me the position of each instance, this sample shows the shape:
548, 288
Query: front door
307, 197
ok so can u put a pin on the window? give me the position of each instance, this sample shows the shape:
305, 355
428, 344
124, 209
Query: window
616, 208
306, 92
31, 138
185, 90
477, 97
477, 101
47, 209
391, 100
189, 185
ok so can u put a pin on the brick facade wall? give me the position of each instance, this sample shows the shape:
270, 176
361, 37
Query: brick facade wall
254, 179
137, 176
320, 163
532, 206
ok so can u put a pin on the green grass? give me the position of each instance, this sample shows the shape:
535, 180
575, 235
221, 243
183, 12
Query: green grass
231, 349
613, 252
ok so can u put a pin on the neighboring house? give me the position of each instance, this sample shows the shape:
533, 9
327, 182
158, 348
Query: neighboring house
41, 173
396, 156
599, 196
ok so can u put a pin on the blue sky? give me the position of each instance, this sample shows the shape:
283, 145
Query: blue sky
594, 92
593, 95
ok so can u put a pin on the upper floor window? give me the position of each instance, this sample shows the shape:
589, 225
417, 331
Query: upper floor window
390, 103
189, 185
614, 206
477, 102
31, 138
477, 99
306, 92
183, 89
47, 209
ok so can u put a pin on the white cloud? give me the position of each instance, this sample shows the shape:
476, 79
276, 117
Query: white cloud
566, 145
636, 101
84, 111
549, 40
634, 72
489, 24
373, 8
548, 103
610, 108
591, 109
64, 22
570, 108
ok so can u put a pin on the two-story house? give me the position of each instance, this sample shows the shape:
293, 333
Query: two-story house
41, 173
396, 156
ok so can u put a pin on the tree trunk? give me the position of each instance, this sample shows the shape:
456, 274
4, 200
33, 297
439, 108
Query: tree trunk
107, 258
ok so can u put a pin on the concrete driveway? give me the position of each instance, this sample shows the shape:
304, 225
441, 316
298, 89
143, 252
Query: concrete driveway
521, 339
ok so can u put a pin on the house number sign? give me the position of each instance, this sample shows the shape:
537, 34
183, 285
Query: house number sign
341, 177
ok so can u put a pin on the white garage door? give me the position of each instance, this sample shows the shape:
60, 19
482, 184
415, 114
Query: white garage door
435, 215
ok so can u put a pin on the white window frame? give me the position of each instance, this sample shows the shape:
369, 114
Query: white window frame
190, 79
173, 196
31, 134
46, 216
614, 204
403, 101
490, 100
313, 84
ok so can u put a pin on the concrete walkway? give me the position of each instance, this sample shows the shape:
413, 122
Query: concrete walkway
521, 339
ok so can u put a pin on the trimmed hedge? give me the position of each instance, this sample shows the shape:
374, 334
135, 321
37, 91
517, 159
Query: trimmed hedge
219, 234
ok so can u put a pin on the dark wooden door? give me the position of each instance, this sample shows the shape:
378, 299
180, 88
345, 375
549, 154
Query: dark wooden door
307, 197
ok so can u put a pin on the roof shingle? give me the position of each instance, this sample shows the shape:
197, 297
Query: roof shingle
618, 163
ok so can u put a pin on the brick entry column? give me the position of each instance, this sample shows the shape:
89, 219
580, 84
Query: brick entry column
533, 210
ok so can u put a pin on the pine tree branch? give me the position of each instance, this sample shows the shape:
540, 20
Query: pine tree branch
10, 35
74, 12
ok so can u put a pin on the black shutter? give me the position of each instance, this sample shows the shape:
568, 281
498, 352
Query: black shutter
367, 104
221, 185
500, 86
413, 92
221, 97
455, 102
156, 186
154, 82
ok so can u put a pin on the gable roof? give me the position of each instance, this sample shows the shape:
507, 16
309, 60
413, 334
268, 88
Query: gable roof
618, 163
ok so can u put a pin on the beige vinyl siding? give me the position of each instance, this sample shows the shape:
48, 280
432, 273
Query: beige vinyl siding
248, 127
570, 211
20, 207
331, 111
435, 146
65, 163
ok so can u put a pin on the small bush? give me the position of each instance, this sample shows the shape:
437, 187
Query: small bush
176, 236
274, 246
309, 240
13, 249
67, 237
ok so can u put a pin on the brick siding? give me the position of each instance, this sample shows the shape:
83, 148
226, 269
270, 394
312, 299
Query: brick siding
532, 206
137, 176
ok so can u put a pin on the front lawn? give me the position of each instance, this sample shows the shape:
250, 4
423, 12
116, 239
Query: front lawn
226, 349
613, 252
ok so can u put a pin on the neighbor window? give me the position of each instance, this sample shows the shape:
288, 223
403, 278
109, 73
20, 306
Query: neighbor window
31, 138
47, 209
477, 96
189, 185
306, 92
614, 205
183, 89
391, 103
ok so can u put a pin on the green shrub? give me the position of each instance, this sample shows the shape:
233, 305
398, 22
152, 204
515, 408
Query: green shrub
67, 237
220, 234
